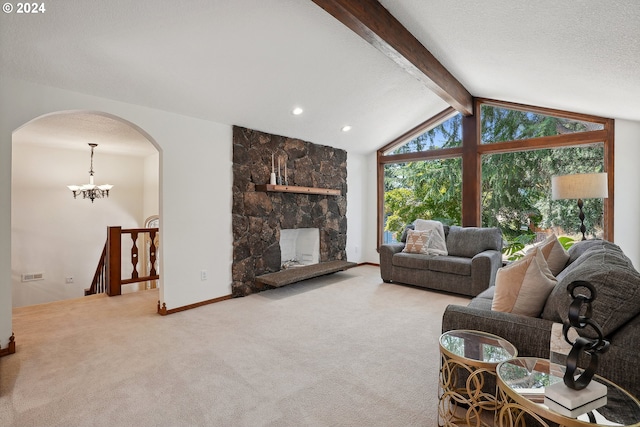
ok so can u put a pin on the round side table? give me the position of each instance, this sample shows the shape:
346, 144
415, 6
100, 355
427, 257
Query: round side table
521, 385
467, 376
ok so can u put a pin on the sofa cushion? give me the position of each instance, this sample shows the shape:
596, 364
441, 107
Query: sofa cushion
487, 293
578, 248
470, 241
403, 236
417, 242
437, 243
580, 252
555, 255
617, 285
452, 265
523, 286
415, 261
480, 304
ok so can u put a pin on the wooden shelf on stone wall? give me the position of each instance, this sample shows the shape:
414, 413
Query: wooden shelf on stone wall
297, 189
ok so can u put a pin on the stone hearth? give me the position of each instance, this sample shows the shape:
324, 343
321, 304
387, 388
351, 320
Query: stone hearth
259, 216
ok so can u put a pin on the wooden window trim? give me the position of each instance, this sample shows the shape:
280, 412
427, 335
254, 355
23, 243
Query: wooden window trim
444, 153
472, 150
567, 140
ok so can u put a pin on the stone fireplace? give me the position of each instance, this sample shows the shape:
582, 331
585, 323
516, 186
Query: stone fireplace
258, 216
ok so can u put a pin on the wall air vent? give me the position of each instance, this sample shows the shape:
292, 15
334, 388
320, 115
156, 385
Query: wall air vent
30, 277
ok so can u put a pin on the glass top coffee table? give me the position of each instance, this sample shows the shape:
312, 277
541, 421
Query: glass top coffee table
521, 385
467, 376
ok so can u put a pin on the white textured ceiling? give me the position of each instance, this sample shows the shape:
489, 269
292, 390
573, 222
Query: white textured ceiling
75, 130
249, 62
581, 56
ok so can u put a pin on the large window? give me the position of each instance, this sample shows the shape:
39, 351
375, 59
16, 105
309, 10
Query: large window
428, 189
424, 188
494, 169
447, 134
501, 124
516, 192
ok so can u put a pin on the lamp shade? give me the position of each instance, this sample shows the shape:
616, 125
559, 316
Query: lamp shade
579, 186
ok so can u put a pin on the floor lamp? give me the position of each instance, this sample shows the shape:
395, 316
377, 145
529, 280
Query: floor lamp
579, 186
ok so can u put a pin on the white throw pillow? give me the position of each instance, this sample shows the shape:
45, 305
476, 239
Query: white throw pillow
555, 255
524, 286
437, 243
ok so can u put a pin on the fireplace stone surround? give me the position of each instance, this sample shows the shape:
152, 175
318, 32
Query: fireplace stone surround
258, 217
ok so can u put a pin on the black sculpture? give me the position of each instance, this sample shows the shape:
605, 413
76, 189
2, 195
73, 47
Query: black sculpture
580, 317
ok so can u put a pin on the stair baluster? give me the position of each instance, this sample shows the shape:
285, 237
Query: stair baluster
107, 278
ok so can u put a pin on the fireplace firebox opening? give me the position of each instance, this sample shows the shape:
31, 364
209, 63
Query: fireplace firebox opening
299, 246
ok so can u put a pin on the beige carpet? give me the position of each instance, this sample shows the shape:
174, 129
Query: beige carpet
339, 350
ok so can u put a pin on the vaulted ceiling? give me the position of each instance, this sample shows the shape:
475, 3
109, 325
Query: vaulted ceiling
250, 62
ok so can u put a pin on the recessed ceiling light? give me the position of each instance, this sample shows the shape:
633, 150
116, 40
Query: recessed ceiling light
297, 111
346, 128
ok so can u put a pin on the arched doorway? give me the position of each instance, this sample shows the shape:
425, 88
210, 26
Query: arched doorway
59, 238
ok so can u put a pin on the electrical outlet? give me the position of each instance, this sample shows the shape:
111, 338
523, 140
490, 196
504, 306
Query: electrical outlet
203, 274
68, 280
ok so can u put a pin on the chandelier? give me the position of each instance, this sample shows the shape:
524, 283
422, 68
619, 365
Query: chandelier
90, 190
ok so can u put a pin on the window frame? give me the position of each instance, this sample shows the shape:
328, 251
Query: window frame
472, 150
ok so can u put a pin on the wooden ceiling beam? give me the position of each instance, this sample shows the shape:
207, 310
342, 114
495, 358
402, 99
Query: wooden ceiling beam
371, 21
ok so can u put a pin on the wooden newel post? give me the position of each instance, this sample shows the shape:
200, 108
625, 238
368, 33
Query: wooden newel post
114, 237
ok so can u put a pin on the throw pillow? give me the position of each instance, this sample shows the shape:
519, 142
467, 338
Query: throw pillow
523, 287
437, 242
417, 242
555, 255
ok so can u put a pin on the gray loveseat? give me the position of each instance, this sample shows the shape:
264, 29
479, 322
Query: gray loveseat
469, 268
616, 309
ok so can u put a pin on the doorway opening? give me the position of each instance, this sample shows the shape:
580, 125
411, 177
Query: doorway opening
61, 237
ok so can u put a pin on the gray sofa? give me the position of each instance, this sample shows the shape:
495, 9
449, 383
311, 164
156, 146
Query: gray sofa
469, 268
616, 309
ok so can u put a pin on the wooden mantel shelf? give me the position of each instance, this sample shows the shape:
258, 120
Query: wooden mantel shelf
296, 189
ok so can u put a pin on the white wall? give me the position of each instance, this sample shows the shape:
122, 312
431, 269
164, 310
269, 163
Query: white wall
627, 196
195, 188
151, 197
356, 201
371, 219
56, 235
362, 205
